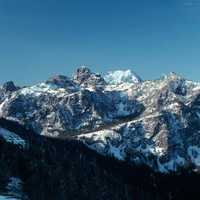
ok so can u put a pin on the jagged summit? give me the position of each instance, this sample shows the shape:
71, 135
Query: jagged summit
173, 76
86, 78
9, 86
82, 74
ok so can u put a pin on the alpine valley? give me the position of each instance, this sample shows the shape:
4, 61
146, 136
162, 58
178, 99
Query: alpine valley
100, 137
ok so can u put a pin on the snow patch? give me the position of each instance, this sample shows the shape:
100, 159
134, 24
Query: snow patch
101, 135
12, 137
151, 149
7, 198
100, 140
42, 88
116, 152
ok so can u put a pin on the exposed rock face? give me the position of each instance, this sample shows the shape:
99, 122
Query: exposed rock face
155, 123
86, 78
63, 82
6, 90
82, 75
9, 86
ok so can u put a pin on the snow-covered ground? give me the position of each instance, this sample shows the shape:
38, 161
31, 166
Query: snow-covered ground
7, 198
12, 137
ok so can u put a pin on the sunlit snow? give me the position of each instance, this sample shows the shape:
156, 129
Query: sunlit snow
119, 77
42, 88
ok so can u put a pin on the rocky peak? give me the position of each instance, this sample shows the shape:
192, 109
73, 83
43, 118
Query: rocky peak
176, 83
82, 74
86, 78
62, 82
10, 86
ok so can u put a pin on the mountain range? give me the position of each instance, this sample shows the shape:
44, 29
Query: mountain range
114, 135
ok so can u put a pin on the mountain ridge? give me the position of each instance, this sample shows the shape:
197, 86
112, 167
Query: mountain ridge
153, 122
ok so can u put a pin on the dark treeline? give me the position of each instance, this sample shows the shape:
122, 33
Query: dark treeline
58, 169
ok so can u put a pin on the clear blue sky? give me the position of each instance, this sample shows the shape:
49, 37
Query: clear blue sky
39, 38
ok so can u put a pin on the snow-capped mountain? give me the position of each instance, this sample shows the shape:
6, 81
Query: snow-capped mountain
119, 77
154, 122
63, 104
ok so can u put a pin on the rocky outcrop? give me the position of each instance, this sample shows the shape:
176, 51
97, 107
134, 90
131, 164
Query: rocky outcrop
88, 79
9, 87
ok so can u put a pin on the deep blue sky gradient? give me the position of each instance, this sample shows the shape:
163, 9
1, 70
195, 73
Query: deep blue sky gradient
39, 38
